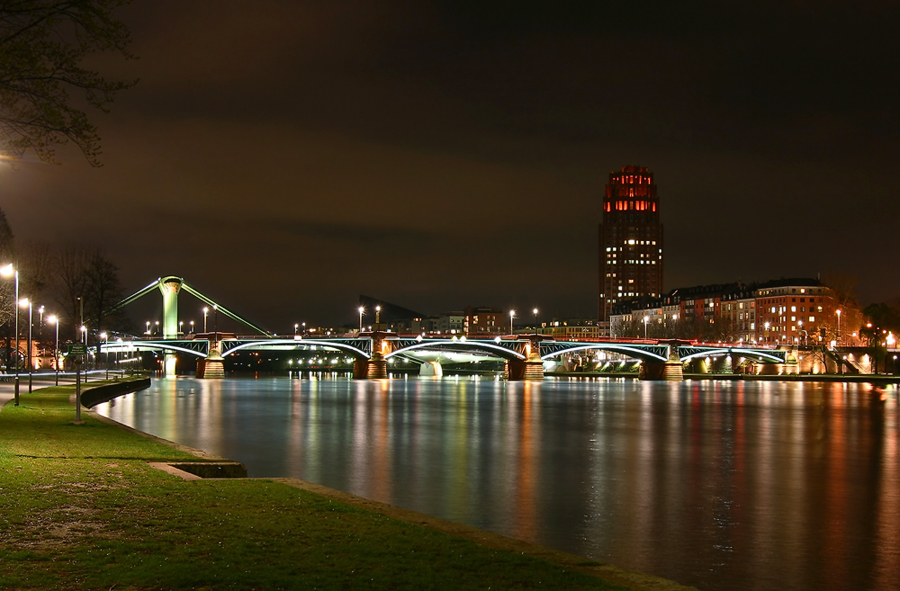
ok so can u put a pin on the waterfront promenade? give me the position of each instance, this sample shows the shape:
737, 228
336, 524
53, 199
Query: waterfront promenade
82, 508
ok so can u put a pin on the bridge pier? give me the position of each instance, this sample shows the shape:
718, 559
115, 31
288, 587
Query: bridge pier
791, 365
671, 370
375, 367
213, 367
431, 369
524, 369
530, 368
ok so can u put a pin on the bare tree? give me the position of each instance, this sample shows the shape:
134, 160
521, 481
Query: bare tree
43, 44
103, 291
70, 281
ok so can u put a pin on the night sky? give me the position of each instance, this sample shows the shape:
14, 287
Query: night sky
286, 156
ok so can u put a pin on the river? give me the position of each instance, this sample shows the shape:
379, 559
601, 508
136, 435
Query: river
717, 484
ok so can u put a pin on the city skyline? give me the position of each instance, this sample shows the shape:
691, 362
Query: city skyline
442, 155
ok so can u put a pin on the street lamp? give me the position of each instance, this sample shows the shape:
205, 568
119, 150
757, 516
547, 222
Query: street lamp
296, 326
361, 309
646, 320
84, 334
103, 336
181, 327
192, 327
205, 312
55, 320
512, 315
148, 329
10, 271
534, 312
27, 302
377, 314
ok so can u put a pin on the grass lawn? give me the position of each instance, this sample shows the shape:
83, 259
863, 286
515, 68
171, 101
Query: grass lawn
81, 509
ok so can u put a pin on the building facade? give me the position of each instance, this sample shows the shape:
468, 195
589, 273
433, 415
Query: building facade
798, 311
631, 241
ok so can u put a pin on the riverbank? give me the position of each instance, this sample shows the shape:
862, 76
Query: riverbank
81, 507
849, 378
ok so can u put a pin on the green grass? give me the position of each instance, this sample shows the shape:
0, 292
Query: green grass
81, 509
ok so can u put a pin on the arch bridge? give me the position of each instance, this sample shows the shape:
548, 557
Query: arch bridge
523, 355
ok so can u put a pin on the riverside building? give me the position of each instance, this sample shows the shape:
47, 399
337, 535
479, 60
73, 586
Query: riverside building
631, 241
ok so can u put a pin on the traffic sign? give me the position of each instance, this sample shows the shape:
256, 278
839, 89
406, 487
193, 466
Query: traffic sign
77, 349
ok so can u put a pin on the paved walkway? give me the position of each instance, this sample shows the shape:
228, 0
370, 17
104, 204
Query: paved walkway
7, 392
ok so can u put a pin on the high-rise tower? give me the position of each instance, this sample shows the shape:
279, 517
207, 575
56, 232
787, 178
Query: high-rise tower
631, 240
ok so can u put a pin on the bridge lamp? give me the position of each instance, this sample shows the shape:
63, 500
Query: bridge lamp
148, 329
192, 326
296, 326
205, 312
377, 314
361, 310
512, 315
646, 320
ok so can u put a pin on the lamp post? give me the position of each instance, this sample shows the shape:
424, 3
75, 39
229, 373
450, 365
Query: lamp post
838, 312
205, 312
181, 327
361, 309
27, 302
377, 314
55, 320
192, 327
10, 271
646, 319
103, 336
296, 326
148, 329
534, 312
512, 315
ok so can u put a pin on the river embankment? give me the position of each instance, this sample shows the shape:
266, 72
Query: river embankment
827, 378
82, 507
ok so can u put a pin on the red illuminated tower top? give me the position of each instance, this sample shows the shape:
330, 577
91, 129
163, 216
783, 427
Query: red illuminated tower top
631, 240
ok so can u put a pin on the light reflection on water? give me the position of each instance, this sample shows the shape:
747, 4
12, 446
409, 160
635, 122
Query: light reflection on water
722, 485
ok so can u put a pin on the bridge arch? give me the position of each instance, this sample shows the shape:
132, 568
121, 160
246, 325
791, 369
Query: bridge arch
502, 352
288, 344
757, 355
635, 352
174, 347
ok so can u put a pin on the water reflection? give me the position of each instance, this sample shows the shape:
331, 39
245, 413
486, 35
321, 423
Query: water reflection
723, 485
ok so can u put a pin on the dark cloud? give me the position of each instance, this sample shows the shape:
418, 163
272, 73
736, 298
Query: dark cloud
441, 154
